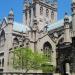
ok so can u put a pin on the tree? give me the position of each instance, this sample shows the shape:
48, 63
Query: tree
24, 58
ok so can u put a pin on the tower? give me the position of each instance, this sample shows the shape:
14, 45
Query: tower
9, 38
67, 36
73, 15
42, 11
9, 28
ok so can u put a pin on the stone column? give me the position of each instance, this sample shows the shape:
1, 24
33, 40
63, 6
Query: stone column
67, 68
32, 16
28, 18
27, 6
9, 40
37, 9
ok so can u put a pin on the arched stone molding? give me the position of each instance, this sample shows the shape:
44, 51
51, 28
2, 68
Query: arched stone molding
40, 44
47, 50
48, 45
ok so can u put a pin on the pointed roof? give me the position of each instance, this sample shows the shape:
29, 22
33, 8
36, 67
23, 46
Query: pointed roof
11, 12
58, 24
23, 28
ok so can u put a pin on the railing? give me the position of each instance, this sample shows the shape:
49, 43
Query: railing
19, 73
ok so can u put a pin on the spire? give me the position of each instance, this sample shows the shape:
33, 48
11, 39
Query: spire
26, 2
11, 12
11, 16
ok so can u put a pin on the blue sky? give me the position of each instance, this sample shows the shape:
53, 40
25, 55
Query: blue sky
17, 5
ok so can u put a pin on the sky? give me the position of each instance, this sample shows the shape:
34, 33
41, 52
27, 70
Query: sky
17, 5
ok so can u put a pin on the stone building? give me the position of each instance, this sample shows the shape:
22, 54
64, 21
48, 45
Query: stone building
41, 32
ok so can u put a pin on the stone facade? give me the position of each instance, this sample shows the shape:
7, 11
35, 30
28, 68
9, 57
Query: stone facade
37, 16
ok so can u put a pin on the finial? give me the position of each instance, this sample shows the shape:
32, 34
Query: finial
11, 16
11, 12
66, 19
66, 15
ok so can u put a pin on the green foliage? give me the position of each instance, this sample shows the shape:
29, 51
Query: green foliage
24, 58
47, 68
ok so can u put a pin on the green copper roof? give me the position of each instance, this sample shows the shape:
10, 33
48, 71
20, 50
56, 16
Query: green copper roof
20, 27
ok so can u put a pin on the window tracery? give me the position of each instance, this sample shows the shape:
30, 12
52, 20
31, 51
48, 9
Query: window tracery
47, 12
47, 48
52, 15
41, 10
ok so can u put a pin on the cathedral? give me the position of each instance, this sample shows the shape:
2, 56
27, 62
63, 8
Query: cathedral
41, 32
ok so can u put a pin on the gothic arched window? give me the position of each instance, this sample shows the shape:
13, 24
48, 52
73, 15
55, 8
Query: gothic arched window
34, 11
2, 38
52, 15
2, 62
47, 49
47, 12
41, 10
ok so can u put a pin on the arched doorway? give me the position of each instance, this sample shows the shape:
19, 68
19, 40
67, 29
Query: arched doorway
47, 49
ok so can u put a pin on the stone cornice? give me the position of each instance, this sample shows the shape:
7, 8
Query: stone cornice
46, 5
43, 4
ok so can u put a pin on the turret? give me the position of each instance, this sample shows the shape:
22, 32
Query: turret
67, 38
9, 28
10, 20
26, 11
9, 38
11, 17
73, 15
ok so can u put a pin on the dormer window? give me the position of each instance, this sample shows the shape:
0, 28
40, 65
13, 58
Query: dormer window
41, 10
47, 12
